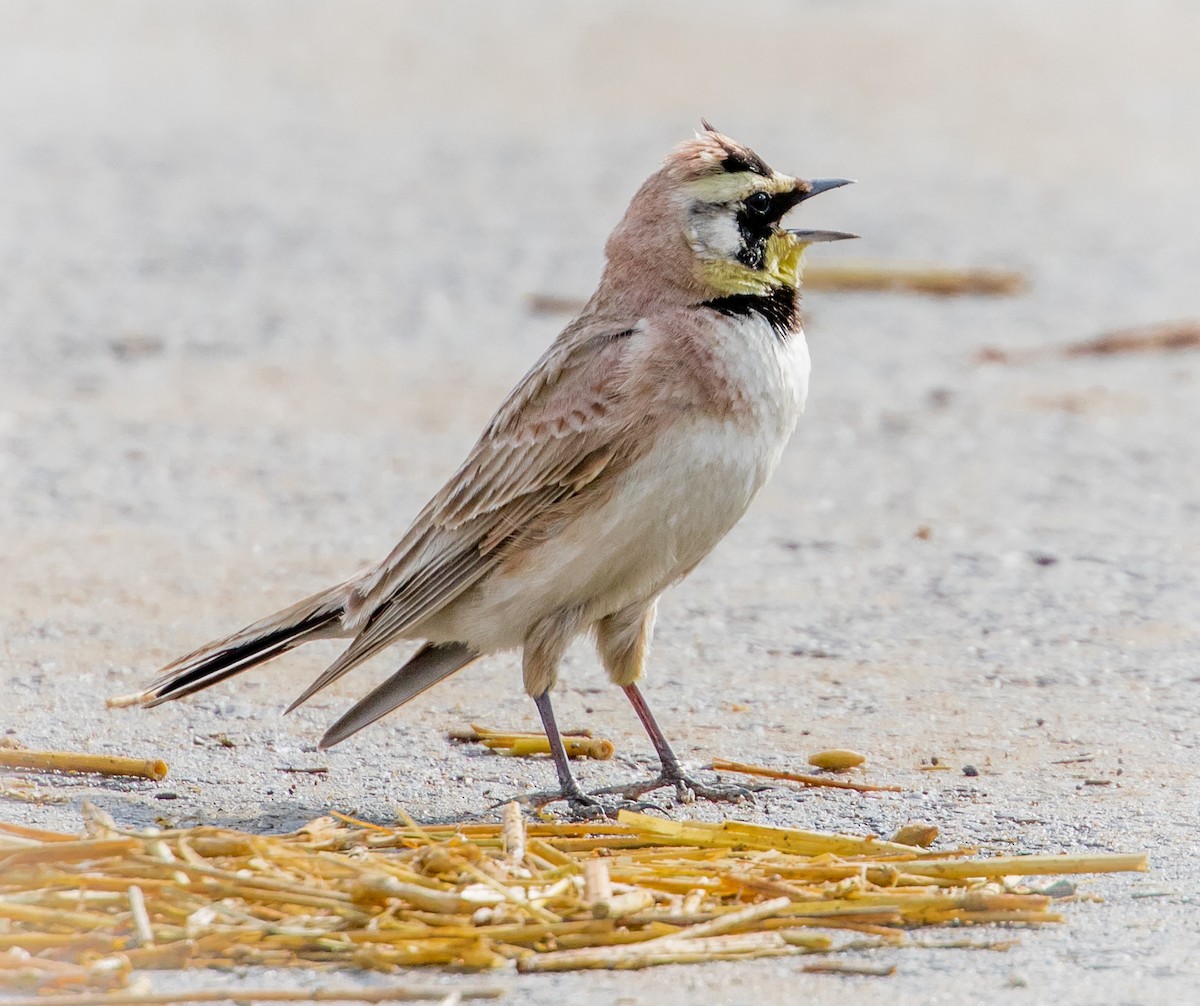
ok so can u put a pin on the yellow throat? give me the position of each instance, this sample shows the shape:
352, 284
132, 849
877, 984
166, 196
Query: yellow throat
782, 267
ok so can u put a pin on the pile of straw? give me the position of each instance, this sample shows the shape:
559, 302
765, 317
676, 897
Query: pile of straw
83, 913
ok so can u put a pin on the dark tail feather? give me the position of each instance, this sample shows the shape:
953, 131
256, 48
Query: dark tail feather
315, 617
425, 669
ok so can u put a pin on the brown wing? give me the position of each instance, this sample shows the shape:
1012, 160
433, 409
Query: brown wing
555, 433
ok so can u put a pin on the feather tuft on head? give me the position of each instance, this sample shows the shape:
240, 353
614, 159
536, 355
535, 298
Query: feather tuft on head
711, 153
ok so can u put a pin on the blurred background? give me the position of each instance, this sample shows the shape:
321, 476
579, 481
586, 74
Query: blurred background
285, 251
266, 269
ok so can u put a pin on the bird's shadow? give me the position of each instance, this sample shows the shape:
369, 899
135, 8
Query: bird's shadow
136, 810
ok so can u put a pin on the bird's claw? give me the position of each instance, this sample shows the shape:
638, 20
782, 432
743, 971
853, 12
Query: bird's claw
585, 806
717, 793
687, 789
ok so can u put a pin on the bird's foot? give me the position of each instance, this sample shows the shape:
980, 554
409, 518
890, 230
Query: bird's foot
687, 789
586, 806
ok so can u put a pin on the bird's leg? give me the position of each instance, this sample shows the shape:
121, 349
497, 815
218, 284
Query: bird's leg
582, 805
666, 754
545, 644
623, 639
672, 774
568, 785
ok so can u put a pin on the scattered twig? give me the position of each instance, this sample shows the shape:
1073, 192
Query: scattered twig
1163, 337
1029, 866
344, 994
77, 763
722, 765
580, 744
27, 791
742, 946
850, 968
905, 277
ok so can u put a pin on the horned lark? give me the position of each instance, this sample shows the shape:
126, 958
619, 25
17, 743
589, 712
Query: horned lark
616, 464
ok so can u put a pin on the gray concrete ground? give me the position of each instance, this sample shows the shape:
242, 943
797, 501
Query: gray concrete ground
264, 272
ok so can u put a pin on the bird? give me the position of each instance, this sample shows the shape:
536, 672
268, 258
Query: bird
616, 464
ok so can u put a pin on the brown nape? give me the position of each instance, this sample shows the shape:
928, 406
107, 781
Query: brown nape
650, 264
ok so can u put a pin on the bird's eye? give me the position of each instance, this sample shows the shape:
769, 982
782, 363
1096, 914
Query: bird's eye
759, 203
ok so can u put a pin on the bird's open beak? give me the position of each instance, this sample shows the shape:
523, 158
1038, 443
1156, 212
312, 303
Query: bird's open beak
815, 188
815, 237
819, 185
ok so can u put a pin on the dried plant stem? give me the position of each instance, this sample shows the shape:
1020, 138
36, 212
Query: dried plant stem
510, 895
1028, 866
670, 950
761, 836
33, 834
731, 920
65, 852
938, 280
345, 994
514, 833
580, 744
617, 906
722, 765
73, 762
141, 919
1160, 337
597, 884
850, 968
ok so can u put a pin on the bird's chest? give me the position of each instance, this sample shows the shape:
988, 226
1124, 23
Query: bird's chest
756, 387
766, 377
711, 464
706, 460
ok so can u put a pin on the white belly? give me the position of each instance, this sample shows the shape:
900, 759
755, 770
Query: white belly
668, 512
